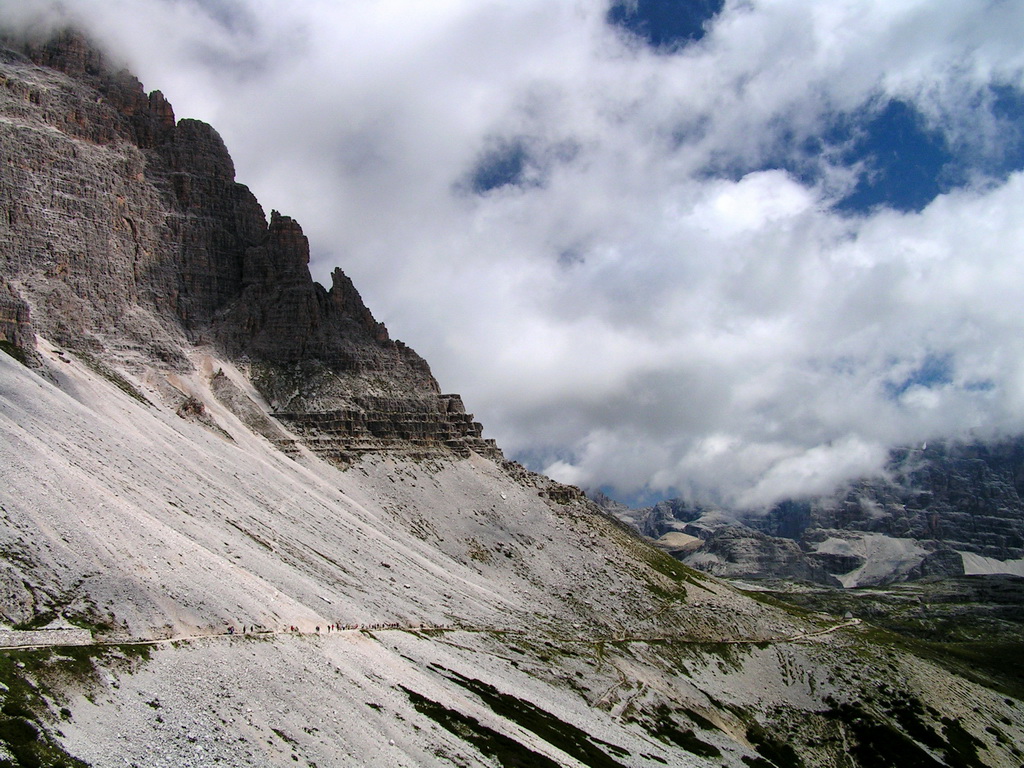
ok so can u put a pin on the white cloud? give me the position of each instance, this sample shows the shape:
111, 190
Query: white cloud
628, 319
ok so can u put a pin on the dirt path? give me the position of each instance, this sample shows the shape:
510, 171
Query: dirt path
391, 627
59, 642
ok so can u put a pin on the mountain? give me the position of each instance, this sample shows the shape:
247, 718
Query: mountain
242, 526
942, 509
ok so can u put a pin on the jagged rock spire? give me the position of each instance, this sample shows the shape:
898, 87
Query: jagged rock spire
151, 242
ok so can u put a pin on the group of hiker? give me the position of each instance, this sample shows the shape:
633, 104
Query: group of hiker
248, 629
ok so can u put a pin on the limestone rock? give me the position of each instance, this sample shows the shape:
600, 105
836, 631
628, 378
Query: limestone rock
125, 231
738, 551
969, 496
947, 497
15, 322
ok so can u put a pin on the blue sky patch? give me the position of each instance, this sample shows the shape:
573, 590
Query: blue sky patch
502, 165
902, 161
1006, 153
664, 24
523, 162
906, 163
934, 371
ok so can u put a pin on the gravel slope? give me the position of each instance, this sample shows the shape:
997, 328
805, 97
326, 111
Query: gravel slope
568, 640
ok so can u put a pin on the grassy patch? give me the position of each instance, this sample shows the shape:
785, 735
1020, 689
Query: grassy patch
97, 626
877, 743
772, 600
86, 617
962, 747
113, 377
903, 741
965, 641
284, 737
31, 680
778, 753
566, 737
38, 621
507, 751
668, 566
702, 722
666, 729
995, 665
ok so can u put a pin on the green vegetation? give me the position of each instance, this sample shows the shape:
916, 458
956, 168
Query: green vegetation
38, 621
566, 737
30, 679
963, 747
899, 732
779, 601
877, 743
666, 729
84, 616
284, 737
507, 751
113, 377
973, 626
776, 752
32, 682
702, 722
995, 665
667, 565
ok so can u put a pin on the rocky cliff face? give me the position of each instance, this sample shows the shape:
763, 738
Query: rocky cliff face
124, 231
969, 496
936, 501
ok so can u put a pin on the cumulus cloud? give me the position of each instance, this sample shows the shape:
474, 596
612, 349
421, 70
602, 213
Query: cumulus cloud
630, 261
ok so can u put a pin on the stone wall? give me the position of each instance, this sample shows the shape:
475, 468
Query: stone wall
10, 638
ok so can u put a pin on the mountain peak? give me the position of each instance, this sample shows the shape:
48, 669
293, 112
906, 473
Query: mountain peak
152, 239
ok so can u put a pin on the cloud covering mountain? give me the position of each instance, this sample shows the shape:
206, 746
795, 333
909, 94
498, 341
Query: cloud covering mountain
737, 257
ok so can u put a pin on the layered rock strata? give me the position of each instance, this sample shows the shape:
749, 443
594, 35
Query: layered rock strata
966, 496
943, 498
124, 230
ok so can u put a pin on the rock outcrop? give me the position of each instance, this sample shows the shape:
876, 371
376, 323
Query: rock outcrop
947, 498
124, 230
15, 321
738, 551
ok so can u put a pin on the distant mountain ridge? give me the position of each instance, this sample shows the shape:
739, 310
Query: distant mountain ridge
943, 498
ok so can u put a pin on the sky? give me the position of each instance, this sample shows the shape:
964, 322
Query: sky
731, 250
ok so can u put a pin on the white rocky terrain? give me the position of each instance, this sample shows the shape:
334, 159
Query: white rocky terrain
543, 618
285, 547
